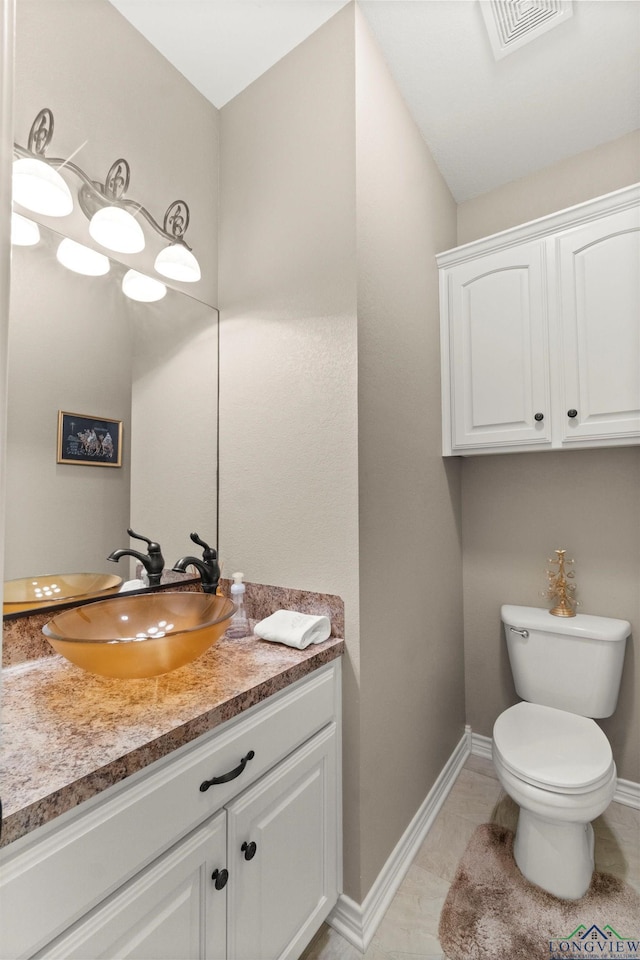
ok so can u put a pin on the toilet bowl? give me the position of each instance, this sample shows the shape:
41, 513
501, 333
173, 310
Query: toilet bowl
559, 769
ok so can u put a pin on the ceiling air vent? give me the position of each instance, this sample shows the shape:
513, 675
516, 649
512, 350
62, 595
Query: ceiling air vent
512, 23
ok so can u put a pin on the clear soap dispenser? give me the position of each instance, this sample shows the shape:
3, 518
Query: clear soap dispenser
239, 626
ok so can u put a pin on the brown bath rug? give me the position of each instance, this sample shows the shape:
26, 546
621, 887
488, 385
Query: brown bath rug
492, 912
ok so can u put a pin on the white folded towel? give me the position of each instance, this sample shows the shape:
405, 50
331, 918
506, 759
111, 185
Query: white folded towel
294, 629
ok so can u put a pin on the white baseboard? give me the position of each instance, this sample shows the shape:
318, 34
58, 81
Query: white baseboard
356, 922
480, 745
627, 792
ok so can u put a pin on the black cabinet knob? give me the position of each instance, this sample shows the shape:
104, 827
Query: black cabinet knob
538, 416
572, 413
220, 877
249, 850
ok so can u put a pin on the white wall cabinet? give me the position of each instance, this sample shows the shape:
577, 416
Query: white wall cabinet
540, 333
247, 869
499, 371
598, 315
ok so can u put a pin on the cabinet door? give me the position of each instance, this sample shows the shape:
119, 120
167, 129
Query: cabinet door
498, 349
282, 889
599, 316
171, 910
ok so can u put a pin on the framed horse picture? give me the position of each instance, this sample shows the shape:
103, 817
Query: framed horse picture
92, 441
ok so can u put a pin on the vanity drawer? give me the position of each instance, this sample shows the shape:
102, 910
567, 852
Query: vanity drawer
270, 731
65, 872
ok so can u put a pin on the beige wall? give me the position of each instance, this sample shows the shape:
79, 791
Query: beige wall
331, 474
288, 450
608, 167
288, 388
518, 508
411, 650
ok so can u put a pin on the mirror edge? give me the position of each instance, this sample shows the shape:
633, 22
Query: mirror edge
7, 25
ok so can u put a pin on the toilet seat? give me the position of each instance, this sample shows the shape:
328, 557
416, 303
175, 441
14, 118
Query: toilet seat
552, 749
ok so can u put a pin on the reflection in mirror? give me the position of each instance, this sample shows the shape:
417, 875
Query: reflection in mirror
78, 344
28, 594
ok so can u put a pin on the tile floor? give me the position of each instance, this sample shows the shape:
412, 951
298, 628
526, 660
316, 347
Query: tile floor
409, 929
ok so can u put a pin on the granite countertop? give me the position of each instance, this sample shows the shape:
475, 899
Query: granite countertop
68, 734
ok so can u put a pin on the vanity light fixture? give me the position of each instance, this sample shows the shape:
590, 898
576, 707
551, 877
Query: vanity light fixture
40, 188
75, 256
24, 232
37, 184
177, 261
138, 286
115, 229
114, 220
111, 225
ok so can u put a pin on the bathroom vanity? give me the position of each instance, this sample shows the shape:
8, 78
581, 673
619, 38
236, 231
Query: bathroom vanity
193, 815
539, 333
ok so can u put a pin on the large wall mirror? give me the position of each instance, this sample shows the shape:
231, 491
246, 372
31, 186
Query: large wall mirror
78, 344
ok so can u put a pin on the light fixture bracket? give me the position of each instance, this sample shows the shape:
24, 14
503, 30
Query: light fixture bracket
41, 133
94, 196
176, 221
117, 182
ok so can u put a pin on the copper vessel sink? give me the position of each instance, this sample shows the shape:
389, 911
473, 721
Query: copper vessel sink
139, 636
30, 593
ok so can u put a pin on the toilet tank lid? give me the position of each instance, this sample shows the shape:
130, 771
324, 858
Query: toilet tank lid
582, 625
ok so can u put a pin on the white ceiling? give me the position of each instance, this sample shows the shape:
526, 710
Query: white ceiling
486, 122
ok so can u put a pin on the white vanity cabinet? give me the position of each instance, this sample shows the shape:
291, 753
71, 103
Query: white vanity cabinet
159, 868
282, 853
168, 911
540, 333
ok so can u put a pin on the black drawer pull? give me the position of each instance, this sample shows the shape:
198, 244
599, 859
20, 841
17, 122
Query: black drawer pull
538, 417
249, 849
572, 413
220, 877
228, 776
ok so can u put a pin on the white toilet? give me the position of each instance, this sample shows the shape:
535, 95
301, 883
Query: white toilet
550, 757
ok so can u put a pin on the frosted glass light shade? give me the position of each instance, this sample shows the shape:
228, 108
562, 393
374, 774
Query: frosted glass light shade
139, 287
40, 188
24, 232
115, 229
75, 256
178, 263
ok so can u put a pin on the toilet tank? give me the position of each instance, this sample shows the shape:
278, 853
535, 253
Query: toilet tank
571, 663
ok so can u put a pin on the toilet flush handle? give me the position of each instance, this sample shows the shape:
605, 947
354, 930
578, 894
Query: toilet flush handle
521, 633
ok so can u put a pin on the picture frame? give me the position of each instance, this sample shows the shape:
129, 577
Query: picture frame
88, 440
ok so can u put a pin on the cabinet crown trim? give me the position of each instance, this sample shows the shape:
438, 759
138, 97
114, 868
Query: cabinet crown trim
627, 197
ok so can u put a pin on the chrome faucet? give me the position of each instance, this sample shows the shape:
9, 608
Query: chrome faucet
208, 567
153, 561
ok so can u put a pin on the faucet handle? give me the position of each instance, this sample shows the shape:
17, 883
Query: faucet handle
209, 553
153, 546
197, 539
